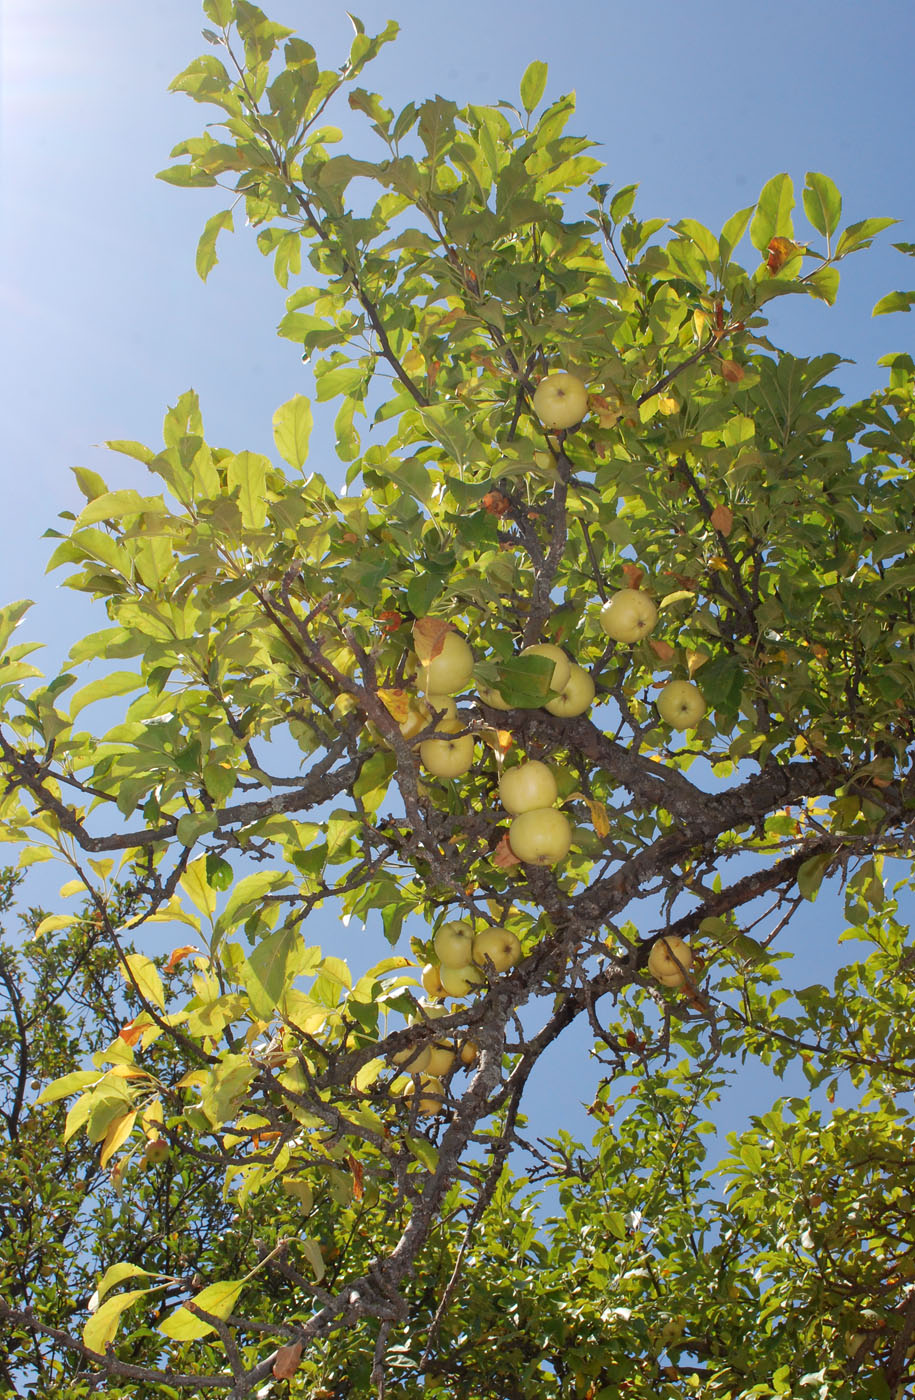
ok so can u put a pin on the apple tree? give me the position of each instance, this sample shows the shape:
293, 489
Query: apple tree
577, 664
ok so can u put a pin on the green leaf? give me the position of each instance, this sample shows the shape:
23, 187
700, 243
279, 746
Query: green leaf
894, 301
267, 969
117, 683
822, 203
69, 1084
773, 212
861, 235
312, 1251
247, 892
206, 258
810, 875
196, 886
615, 1222
52, 923
114, 505
248, 471
533, 84
193, 825
102, 1327
292, 424
10, 617
144, 973
218, 1299
221, 12
824, 284
622, 202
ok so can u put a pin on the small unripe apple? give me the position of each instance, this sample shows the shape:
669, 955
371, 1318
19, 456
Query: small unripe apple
628, 616
432, 982
461, 981
541, 836
450, 670
470, 1053
430, 1096
413, 1059
531, 784
447, 756
560, 401
669, 961
576, 695
681, 704
497, 945
561, 667
453, 944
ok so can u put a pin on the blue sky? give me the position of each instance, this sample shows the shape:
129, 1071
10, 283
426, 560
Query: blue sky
106, 323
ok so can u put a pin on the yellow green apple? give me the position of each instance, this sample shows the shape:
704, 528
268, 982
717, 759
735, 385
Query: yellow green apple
528, 785
628, 616
681, 704
560, 401
575, 696
541, 836
498, 946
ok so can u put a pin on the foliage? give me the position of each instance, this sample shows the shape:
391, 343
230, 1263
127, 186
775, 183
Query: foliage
227, 1184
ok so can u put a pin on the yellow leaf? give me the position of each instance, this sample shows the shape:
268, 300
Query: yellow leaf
396, 702
217, 1299
116, 1135
695, 659
144, 974
599, 816
100, 1330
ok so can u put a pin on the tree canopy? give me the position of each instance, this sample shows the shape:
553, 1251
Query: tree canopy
247, 1166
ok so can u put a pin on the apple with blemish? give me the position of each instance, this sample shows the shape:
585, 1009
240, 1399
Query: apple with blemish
450, 669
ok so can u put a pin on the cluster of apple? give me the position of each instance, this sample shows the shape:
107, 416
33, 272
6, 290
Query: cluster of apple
428, 1064
631, 615
464, 959
463, 955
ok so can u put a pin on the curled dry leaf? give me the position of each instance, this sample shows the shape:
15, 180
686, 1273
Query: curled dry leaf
429, 636
600, 818
663, 650
731, 371
496, 504
503, 856
287, 1361
780, 250
178, 955
633, 575
722, 518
